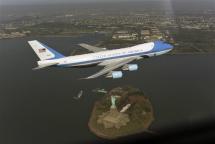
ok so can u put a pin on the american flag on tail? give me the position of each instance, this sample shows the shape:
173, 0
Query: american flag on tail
42, 50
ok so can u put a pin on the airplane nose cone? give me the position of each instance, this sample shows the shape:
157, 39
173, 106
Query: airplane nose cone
161, 45
169, 46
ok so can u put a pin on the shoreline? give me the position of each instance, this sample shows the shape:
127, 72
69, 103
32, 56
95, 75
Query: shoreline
82, 34
133, 127
102, 135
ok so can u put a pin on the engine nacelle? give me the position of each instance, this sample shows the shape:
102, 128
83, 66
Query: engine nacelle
130, 67
114, 74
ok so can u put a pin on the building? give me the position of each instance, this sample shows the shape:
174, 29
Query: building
145, 32
124, 35
113, 118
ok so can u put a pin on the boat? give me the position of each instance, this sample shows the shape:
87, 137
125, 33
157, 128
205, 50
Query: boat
79, 95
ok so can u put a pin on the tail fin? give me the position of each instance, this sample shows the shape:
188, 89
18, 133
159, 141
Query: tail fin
43, 51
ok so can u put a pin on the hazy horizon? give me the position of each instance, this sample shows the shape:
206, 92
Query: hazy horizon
32, 2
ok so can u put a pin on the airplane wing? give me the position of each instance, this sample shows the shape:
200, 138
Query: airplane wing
114, 65
91, 48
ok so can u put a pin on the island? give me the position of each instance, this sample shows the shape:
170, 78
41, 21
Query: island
122, 111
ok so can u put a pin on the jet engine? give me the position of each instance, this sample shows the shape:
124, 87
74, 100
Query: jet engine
114, 74
130, 67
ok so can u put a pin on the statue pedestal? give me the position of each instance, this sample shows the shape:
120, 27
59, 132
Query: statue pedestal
113, 119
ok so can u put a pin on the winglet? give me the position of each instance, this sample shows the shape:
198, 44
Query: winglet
84, 78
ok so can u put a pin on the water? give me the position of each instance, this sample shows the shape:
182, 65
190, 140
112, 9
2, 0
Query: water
38, 106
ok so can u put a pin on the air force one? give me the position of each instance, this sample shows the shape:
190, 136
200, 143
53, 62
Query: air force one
109, 59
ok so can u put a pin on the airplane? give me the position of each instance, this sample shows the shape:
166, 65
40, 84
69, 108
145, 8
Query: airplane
109, 59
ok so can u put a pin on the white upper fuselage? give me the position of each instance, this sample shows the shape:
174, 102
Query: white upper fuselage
103, 57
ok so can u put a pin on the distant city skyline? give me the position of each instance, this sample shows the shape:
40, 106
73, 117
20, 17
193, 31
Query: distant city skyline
21, 2
18, 2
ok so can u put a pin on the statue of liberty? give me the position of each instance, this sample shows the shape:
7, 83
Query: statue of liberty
113, 102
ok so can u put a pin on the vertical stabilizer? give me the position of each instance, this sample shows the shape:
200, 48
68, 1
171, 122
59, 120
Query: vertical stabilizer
43, 51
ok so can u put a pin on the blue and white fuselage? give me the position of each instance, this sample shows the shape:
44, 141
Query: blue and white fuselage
107, 58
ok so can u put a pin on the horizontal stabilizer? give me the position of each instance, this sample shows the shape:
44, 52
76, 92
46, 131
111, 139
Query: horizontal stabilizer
44, 66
